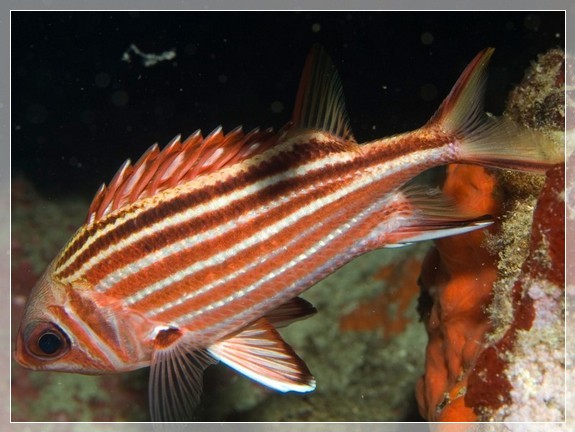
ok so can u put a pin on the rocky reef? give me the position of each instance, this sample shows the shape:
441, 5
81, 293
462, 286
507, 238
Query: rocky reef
493, 301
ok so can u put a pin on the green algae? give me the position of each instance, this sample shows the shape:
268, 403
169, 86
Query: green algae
64, 396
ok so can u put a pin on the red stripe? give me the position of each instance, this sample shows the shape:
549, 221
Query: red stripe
300, 153
330, 216
180, 260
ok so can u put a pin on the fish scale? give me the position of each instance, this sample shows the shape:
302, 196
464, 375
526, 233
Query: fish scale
197, 252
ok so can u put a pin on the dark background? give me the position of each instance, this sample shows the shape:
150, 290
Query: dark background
78, 110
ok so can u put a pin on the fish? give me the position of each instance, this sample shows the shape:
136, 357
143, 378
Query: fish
198, 253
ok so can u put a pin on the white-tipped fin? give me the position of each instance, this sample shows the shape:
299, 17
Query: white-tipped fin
261, 354
176, 381
428, 215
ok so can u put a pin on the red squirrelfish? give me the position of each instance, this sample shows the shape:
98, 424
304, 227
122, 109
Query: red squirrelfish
198, 252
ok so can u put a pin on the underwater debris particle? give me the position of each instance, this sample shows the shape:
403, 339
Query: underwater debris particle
148, 59
427, 38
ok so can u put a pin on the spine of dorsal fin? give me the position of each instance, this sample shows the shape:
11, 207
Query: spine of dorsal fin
319, 102
176, 164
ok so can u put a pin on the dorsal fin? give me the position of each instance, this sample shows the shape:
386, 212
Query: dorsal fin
319, 103
176, 164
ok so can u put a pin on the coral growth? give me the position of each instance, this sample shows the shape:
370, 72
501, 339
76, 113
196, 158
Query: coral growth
457, 278
492, 301
389, 311
520, 377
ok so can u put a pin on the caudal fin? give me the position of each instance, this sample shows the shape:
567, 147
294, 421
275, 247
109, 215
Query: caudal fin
486, 140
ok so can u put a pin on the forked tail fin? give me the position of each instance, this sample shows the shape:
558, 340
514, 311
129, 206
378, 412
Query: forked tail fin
486, 140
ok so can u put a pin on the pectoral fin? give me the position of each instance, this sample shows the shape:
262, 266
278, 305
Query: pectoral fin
261, 354
293, 310
176, 377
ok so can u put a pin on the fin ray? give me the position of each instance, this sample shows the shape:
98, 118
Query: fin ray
176, 164
260, 353
176, 382
431, 215
320, 103
486, 140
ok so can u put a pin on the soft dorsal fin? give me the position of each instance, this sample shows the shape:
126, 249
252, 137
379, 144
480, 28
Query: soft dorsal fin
176, 164
320, 103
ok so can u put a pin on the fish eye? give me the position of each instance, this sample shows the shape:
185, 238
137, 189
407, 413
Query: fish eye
47, 341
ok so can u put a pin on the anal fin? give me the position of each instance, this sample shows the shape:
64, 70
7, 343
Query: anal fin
260, 353
429, 215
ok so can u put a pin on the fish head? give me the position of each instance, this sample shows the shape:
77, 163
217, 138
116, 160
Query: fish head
67, 328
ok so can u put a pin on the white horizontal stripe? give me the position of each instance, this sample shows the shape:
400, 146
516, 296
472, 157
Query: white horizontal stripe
220, 257
371, 175
262, 260
182, 245
189, 242
306, 282
367, 179
196, 212
146, 203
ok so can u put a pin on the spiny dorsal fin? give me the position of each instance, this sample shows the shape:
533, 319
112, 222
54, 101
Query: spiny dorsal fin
176, 164
319, 105
319, 102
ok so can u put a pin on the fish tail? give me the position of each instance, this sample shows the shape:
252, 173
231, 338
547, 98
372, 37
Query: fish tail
484, 139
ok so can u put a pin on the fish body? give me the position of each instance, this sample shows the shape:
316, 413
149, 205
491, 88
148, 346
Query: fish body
198, 252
